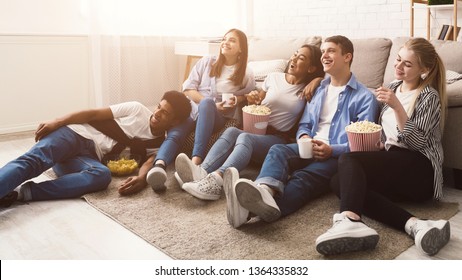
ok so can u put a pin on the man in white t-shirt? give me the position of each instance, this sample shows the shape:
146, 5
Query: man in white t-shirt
287, 182
74, 149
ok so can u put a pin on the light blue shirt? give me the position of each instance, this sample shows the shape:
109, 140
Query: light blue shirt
355, 103
199, 79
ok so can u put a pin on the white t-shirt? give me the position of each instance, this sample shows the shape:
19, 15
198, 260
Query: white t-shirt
132, 117
389, 123
285, 101
223, 83
329, 107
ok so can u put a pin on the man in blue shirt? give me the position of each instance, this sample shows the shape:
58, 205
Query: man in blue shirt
287, 182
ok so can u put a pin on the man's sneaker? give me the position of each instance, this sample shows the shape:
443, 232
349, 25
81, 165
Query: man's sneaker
156, 178
257, 200
346, 235
430, 236
208, 188
236, 214
8, 199
187, 171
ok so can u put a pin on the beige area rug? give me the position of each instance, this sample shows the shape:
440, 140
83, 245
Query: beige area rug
188, 228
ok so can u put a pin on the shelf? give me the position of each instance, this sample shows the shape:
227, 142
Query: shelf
429, 8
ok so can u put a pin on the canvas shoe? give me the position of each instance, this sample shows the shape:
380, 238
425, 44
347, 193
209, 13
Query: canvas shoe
236, 214
156, 178
257, 200
208, 188
346, 235
187, 171
430, 236
8, 199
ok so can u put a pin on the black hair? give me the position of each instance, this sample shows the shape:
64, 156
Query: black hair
315, 60
180, 104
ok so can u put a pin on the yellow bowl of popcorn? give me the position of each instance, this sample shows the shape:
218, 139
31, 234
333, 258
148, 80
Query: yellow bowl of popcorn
122, 165
364, 136
256, 118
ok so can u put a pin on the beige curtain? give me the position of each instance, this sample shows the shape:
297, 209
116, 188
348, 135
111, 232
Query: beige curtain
132, 43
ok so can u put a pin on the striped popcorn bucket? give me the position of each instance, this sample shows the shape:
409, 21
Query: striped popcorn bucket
255, 124
364, 141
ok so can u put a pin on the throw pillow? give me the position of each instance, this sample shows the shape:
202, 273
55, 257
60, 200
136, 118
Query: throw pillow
452, 76
262, 68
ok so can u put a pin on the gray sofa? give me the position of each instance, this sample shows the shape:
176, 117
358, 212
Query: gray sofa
373, 66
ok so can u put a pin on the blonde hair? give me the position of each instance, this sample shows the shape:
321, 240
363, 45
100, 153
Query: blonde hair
427, 57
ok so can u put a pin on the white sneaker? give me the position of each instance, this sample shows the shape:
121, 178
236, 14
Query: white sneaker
156, 178
257, 200
208, 188
236, 214
430, 236
346, 236
187, 171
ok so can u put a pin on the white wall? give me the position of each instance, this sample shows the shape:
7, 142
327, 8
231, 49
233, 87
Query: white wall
50, 17
352, 18
37, 67
41, 78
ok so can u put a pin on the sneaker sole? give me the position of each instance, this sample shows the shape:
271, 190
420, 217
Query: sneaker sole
233, 208
347, 244
178, 179
252, 200
157, 181
435, 239
199, 195
182, 167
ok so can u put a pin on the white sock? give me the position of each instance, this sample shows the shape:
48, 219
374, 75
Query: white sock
409, 225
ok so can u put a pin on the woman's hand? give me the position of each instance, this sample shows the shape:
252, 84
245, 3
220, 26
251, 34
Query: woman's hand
132, 185
255, 97
225, 109
310, 89
387, 96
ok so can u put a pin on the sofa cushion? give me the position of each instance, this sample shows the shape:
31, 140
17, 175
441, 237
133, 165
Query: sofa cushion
262, 68
370, 59
451, 54
278, 48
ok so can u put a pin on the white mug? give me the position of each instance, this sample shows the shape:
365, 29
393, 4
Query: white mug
305, 147
227, 97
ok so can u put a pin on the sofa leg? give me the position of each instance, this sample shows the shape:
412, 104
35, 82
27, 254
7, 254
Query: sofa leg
457, 178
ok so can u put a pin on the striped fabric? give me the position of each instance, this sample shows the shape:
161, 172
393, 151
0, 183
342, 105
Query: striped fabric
422, 132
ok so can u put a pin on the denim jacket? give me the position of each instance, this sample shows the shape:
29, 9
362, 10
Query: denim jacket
355, 103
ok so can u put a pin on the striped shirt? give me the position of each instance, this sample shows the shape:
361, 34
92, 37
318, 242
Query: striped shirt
422, 132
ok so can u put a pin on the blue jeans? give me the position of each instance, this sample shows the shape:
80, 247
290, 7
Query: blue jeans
296, 180
73, 159
175, 139
236, 148
208, 121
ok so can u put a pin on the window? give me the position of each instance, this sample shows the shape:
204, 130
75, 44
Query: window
166, 17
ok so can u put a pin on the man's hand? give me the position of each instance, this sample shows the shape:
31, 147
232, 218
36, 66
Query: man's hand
321, 151
132, 185
45, 128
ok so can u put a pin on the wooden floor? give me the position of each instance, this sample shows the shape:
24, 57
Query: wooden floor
73, 230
